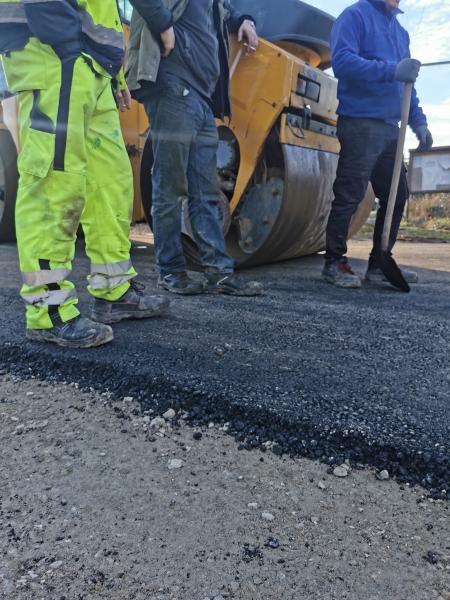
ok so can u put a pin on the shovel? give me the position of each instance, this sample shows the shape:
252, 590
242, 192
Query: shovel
236, 61
387, 264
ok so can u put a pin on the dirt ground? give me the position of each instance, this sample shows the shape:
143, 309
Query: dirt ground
100, 501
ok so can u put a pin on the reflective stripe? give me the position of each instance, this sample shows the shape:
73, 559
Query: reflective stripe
55, 298
43, 277
12, 12
100, 34
100, 282
111, 269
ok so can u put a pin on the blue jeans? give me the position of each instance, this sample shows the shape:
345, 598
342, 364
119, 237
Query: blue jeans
184, 140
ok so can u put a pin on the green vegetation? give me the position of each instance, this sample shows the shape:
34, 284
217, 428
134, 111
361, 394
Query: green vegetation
427, 220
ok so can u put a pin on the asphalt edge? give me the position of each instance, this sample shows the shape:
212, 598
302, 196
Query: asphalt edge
249, 427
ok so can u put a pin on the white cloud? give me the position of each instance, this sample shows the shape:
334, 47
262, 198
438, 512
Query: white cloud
429, 29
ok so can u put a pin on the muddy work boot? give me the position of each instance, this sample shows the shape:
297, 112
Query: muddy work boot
77, 333
180, 283
341, 275
134, 304
230, 284
375, 275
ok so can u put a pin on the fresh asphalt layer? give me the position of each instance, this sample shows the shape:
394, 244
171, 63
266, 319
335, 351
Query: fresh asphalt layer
334, 374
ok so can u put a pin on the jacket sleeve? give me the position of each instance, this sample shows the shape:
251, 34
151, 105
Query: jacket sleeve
56, 23
347, 62
236, 19
155, 14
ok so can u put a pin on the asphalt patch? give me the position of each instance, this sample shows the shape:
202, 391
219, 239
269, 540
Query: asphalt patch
305, 370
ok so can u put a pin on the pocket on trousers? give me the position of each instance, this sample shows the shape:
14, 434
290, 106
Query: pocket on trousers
176, 89
36, 156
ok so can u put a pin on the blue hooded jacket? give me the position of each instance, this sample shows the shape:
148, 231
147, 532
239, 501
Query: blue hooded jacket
367, 43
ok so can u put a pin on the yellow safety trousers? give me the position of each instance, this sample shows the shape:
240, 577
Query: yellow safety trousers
73, 169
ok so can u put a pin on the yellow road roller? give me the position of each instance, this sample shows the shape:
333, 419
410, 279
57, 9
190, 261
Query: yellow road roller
278, 152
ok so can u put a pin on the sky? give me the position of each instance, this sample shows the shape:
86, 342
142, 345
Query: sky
428, 24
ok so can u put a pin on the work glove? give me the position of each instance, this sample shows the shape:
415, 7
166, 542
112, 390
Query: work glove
425, 138
407, 70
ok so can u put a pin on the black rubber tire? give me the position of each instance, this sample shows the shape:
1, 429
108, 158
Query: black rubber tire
8, 165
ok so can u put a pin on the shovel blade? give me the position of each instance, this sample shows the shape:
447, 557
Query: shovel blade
392, 272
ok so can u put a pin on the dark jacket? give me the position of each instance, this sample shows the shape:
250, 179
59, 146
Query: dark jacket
367, 43
150, 18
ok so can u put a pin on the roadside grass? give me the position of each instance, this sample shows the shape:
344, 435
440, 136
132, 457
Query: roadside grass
427, 219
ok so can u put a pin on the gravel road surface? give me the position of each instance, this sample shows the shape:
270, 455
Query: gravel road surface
101, 500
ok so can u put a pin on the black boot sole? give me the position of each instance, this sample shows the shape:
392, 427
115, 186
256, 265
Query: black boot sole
40, 335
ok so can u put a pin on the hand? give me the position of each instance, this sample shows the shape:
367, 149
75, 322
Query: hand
425, 138
124, 99
407, 70
168, 41
247, 31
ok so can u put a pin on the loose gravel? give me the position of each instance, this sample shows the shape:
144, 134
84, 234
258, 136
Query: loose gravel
90, 511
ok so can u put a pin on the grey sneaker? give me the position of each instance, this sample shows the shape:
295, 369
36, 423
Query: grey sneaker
376, 275
134, 304
230, 284
180, 283
341, 275
77, 333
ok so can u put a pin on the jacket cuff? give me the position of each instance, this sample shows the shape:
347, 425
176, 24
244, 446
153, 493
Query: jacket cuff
163, 25
416, 125
391, 67
120, 79
243, 18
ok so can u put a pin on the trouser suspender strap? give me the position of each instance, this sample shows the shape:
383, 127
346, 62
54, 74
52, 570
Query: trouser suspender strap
67, 68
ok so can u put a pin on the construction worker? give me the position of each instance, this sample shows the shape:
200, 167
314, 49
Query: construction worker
61, 57
178, 68
371, 59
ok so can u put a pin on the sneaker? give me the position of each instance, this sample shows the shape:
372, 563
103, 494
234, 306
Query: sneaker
341, 275
134, 304
376, 275
231, 285
180, 283
76, 333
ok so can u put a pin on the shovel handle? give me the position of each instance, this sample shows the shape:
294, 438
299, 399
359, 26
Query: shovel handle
398, 164
236, 61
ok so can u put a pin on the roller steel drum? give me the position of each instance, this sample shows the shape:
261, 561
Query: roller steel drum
283, 217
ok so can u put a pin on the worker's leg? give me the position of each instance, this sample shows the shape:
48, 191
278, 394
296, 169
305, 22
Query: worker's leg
106, 217
381, 182
51, 192
204, 196
174, 119
362, 142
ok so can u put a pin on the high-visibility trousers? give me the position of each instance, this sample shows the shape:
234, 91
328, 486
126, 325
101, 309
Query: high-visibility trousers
73, 169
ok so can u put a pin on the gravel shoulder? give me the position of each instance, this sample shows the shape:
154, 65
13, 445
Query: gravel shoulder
100, 501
